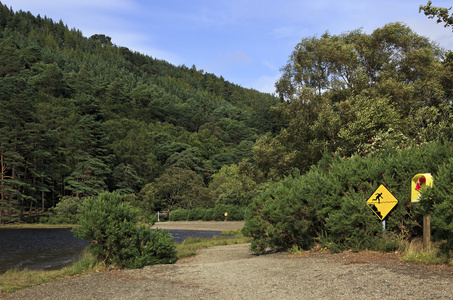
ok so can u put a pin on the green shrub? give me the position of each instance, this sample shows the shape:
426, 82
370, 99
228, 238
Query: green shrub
65, 212
235, 213
438, 201
68, 205
328, 203
44, 220
196, 214
59, 219
208, 215
179, 214
286, 215
216, 213
353, 226
111, 225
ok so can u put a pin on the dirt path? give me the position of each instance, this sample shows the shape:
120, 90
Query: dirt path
232, 272
203, 226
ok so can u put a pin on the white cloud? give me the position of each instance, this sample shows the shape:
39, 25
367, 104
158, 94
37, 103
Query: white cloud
265, 84
223, 64
160, 54
432, 30
139, 42
71, 6
238, 58
270, 65
286, 32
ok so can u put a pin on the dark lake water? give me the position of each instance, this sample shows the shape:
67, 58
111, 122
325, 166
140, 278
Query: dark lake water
38, 249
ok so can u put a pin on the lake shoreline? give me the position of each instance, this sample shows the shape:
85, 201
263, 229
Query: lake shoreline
200, 225
170, 225
46, 255
37, 226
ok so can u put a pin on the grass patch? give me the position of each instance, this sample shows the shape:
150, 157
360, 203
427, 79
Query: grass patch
230, 232
296, 250
14, 279
190, 246
417, 254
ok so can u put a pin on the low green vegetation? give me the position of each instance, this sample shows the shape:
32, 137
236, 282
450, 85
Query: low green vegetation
327, 205
233, 213
14, 279
111, 226
190, 246
415, 252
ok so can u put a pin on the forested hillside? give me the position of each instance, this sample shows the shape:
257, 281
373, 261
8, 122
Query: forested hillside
82, 115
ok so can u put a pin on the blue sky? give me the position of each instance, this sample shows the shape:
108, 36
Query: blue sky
245, 41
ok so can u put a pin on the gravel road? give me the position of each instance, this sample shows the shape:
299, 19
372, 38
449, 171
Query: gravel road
232, 272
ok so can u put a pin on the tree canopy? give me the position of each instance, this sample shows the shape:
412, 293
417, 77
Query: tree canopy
80, 115
341, 91
441, 13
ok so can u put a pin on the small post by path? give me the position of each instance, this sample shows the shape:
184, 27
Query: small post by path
427, 231
419, 182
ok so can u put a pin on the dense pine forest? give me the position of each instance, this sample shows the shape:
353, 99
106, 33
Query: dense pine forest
81, 115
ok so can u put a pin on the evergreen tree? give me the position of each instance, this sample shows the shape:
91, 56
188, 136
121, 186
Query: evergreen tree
91, 153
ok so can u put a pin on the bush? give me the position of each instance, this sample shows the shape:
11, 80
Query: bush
43, 220
66, 211
59, 219
438, 201
286, 215
196, 214
235, 213
179, 214
111, 225
68, 205
208, 214
328, 203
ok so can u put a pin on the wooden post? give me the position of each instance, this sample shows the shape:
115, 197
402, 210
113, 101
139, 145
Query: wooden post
427, 231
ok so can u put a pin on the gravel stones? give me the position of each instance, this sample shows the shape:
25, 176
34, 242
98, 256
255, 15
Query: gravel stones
232, 272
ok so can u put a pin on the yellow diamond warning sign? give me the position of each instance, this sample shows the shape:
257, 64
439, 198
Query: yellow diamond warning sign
382, 202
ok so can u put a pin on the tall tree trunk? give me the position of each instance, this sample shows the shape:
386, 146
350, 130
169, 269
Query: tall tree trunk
2, 190
42, 194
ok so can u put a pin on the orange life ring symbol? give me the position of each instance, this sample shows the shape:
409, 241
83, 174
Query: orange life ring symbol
421, 183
